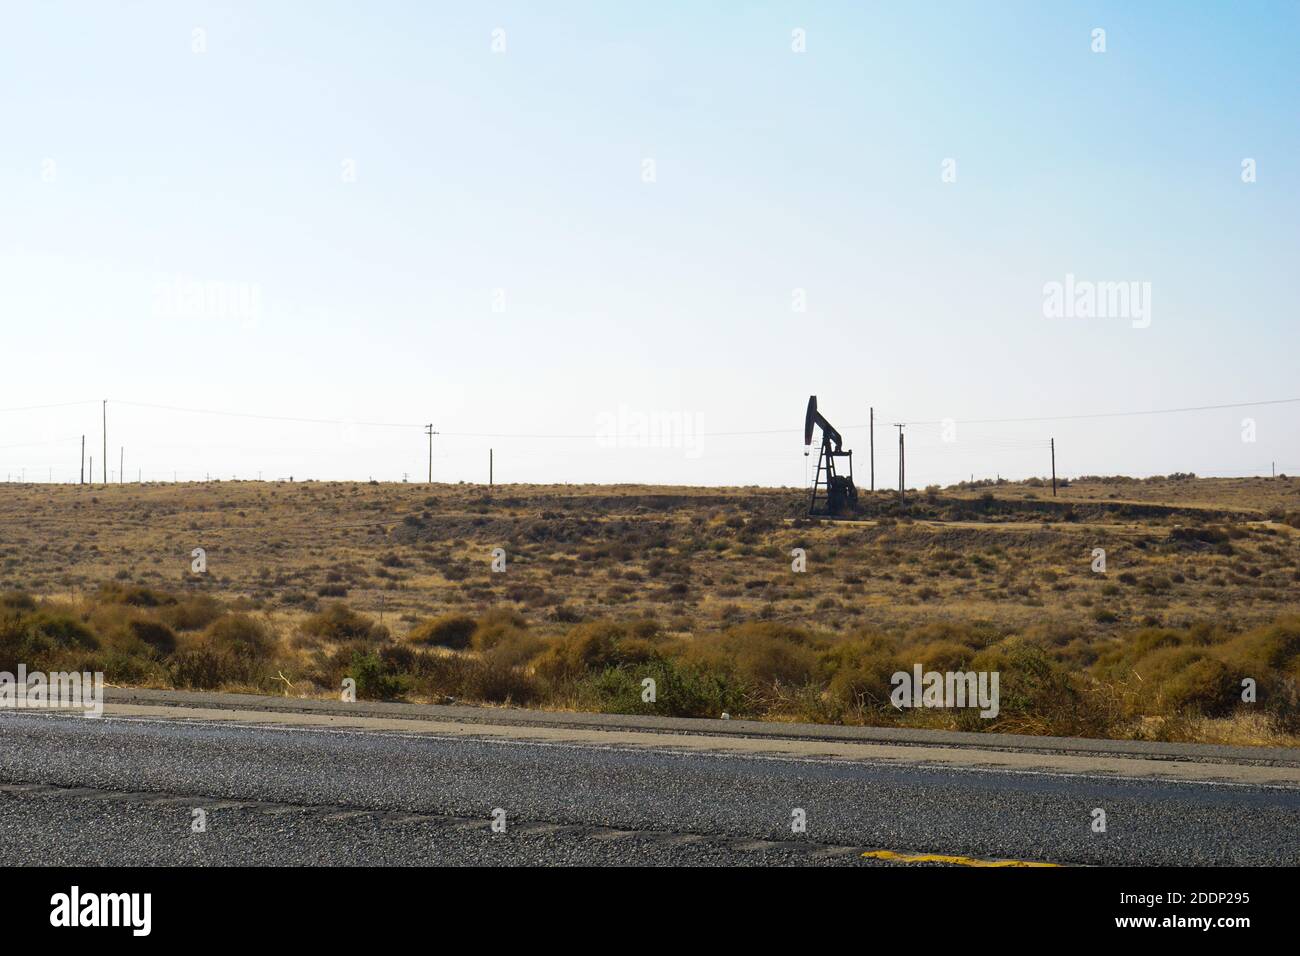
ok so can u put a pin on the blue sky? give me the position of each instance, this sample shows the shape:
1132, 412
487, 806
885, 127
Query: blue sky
434, 231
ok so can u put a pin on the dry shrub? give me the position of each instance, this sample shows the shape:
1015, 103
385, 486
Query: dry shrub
191, 613
858, 671
513, 649
155, 634
591, 647
17, 601
1036, 694
112, 592
495, 625
33, 638
1274, 646
450, 630
500, 683
241, 636
338, 622
59, 628
944, 657
762, 653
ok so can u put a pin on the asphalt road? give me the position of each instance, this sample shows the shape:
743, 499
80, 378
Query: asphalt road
289, 788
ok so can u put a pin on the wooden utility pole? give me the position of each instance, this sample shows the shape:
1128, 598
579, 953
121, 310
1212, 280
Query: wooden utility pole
83, 459
121, 466
428, 430
104, 467
1053, 467
873, 447
489, 467
902, 481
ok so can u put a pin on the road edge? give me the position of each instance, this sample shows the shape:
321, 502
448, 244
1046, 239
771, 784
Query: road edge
506, 716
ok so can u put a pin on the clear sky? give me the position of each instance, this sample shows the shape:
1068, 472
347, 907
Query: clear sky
616, 219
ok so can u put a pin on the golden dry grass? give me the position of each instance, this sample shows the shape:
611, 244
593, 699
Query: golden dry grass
1005, 564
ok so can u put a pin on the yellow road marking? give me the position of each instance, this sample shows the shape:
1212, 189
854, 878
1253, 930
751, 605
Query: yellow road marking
944, 858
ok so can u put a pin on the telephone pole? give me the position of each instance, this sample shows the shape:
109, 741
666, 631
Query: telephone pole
902, 483
428, 430
104, 466
121, 465
83, 459
873, 447
1053, 467
489, 467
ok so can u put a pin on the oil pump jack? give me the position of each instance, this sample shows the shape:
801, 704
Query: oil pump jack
832, 493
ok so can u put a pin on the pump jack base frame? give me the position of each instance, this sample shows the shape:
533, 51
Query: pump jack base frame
833, 495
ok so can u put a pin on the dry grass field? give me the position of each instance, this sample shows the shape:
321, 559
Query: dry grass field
308, 583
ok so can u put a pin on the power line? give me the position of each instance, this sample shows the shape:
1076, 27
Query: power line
273, 418
30, 408
1066, 418
724, 434
40, 444
709, 434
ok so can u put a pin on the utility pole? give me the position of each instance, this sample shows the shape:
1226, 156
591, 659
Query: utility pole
104, 467
489, 467
1053, 467
121, 465
902, 483
428, 430
83, 459
873, 447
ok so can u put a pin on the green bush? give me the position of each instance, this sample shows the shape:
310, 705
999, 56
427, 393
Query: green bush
373, 680
681, 690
